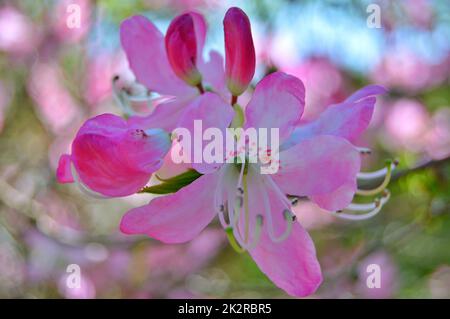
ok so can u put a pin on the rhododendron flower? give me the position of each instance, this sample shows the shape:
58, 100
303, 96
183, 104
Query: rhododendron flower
113, 157
315, 161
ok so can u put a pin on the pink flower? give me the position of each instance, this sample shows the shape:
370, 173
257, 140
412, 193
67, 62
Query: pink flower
72, 20
18, 34
55, 106
316, 160
240, 52
388, 270
113, 157
160, 69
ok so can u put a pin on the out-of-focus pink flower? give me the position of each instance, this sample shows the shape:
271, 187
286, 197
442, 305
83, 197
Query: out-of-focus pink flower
276, 50
318, 73
326, 173
239, 51
406, 122
18, 35
437, 138
388, 278
181, 47
86, 289
403, 69
54, 104
419, 12
113, 157
72, 20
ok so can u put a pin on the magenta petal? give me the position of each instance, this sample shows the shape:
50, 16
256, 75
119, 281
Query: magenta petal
175, 218
338, 199
114, 158
278, 102
144, 46
63, 172
317, 166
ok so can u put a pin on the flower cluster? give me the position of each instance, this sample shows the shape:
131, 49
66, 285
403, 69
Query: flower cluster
112, 156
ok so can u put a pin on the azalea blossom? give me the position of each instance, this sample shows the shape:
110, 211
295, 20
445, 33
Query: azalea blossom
115, 157
316, 160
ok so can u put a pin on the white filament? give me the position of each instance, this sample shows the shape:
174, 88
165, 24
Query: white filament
376, 174
372, 208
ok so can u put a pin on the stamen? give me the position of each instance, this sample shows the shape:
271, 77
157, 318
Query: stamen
382, 186
121, 99
287, 203
372, 209
377, 174
287, 214
222, 206
238, 244
232, 240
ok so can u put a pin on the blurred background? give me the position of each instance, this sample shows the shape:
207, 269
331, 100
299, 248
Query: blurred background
53, 77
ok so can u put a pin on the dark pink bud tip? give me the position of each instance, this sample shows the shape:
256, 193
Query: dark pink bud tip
181, 47
239, 51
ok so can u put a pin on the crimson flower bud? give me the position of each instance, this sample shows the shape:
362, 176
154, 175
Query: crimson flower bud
239, 51
181, 48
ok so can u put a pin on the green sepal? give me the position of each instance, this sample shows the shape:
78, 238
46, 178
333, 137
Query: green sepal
173, 184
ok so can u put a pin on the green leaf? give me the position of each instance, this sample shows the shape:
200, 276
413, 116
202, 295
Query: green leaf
173, 184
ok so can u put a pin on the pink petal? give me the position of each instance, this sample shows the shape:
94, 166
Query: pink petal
347, 119
175, 218
213, 113
338, 199
214, 74
181, 48
291, 264
114, 158
200, 31
239, 50
317, 166
63, 172
278, 102
144, 46
369, 90
166, 115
